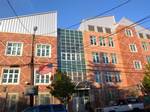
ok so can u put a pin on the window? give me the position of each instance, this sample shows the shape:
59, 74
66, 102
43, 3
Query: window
42, 79
110, 42
95, 58
128, 32
137, 64
112, 77
43, 50
148, 36
133, 48
93, 40
113, 58
102, 41
12, 102
148, 59
108, 30
99, 29
91, 28
105, 58
63, 56
141, 35
68, 56
11, 75
145, 46
43, 98
97, 76
14, 49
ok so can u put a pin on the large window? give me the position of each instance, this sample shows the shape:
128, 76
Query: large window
44, 98
43, 50
102, 41
71, 56
105, 58
137, 64
128, 32
113, 58
97, 76
96, 57
42, 79
112, 77
11, 75
145, 46
12, 102
93, 40
14, 49
110, 42
133, 48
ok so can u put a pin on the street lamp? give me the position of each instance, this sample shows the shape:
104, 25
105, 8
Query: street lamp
32, 65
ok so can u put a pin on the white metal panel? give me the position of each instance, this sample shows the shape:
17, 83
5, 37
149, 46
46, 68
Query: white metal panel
107, 21
46, 23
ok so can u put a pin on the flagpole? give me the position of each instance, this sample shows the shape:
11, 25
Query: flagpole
32, 65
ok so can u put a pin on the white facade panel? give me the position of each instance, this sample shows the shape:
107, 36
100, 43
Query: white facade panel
108, 21
46, 23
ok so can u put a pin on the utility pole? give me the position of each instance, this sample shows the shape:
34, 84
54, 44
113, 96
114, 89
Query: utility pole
32, 66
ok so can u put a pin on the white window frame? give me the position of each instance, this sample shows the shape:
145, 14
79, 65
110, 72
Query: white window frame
145, 46
98, 78
130, 47
140, 65
128, 32
50, 48
114, 57
9, 101
7, 83
96, 57
62, 56
102, 41
38, 101
105, 58
93, 40
40, 83
14, 42
111, 42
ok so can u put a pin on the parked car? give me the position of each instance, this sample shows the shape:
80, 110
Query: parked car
124, 105
46, 108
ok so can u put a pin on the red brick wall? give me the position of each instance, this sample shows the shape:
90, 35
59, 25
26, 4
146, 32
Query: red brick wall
25, 59
133, 76
88, 49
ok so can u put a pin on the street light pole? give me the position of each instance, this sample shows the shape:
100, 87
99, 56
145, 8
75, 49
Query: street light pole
32, 66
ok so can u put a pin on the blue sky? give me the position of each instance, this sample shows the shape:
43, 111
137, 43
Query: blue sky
73, 11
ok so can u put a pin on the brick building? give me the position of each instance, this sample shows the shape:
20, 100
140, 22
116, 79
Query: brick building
16, 54
101, 50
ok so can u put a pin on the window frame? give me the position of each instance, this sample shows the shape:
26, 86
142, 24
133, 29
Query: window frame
13, 42
96, 56
128, 32
50, 52
93, 40
140, 64
12, 83
40, 83
134, 47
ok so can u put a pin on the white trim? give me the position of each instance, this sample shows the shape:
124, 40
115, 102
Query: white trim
21, 50
18, 81
49, 74
139, 62
126, 32
134, 46
50, 48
